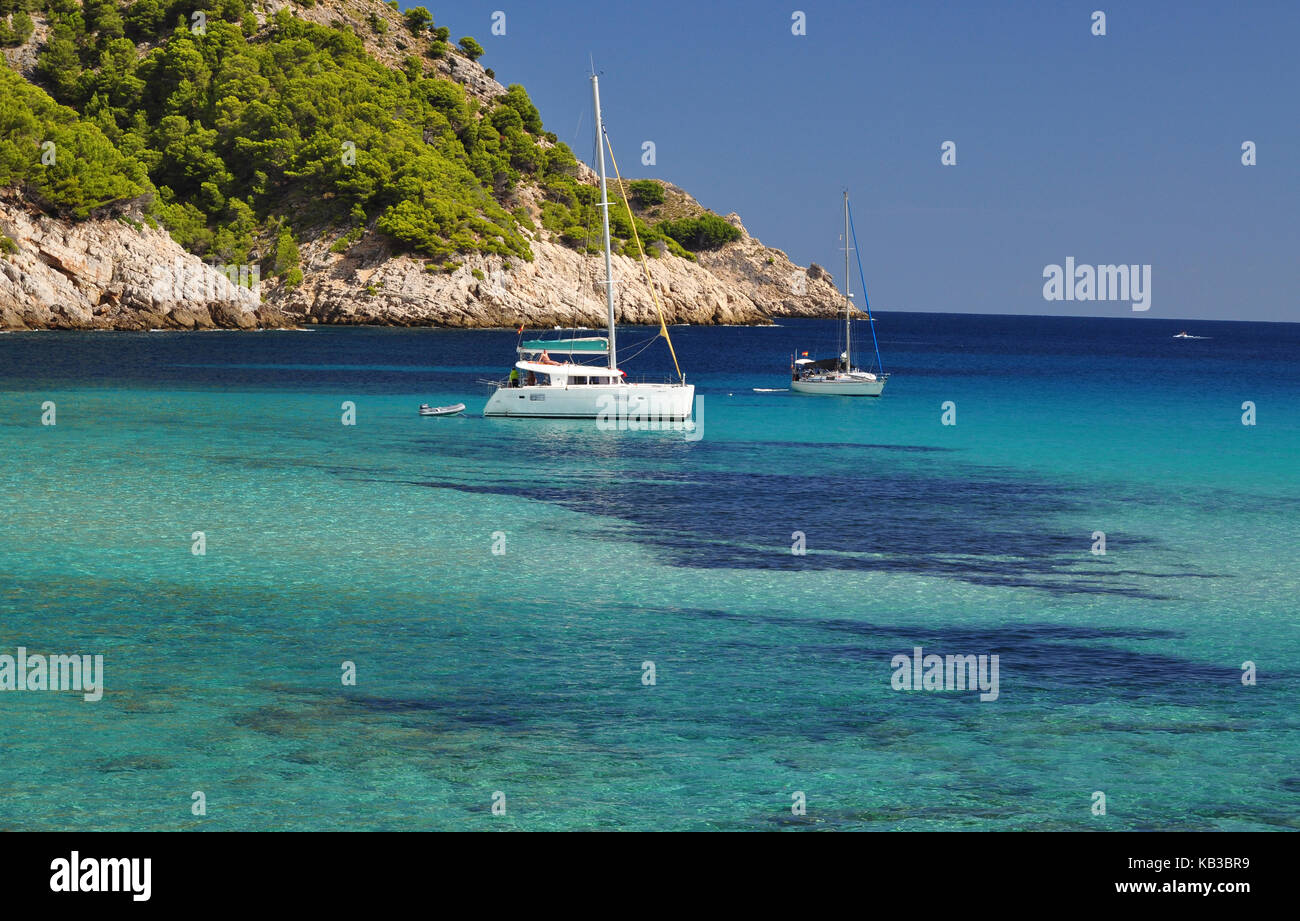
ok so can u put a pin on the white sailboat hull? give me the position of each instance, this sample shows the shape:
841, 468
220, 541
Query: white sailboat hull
572, 390
844, 387
840, 378
607, 402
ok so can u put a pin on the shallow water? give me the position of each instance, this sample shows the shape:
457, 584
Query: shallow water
522, 672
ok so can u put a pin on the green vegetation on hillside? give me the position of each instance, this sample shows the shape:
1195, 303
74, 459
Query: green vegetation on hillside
16, 25
473, 50
646, 192
60, 160
228, 132
418, 20
708, 231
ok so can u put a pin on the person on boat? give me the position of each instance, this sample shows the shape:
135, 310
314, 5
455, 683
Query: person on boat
546, 359
532, 379
514, 377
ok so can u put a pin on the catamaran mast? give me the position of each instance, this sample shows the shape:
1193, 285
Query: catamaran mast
848, 298
604, 214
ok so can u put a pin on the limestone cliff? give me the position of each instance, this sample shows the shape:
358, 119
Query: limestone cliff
124, 272
742, 283
113, 273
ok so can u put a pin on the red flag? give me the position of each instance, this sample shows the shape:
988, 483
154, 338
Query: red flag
521, 329
804, 355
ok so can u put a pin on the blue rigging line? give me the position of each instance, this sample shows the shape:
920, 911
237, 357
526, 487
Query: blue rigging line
857, 253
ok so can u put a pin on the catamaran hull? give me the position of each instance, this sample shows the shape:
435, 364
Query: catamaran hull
839, 388
639, 403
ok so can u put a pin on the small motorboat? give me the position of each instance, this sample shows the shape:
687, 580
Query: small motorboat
427, 410
1185, 335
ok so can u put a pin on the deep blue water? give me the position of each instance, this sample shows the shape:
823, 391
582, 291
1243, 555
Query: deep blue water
522, 672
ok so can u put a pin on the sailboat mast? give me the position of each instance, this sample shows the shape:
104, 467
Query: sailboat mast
604, 214
848, 298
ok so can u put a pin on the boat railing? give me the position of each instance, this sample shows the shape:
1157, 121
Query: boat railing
646, 379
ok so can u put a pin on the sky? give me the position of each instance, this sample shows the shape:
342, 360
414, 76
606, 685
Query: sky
1123, 148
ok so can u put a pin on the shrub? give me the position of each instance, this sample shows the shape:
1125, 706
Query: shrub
59, 64
708, 231
18, 30
88, 171
473, 50
345, 242
418, 20
286, 258
523, 218
516, 98
646, 192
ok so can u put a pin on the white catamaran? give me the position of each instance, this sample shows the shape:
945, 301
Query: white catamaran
840, 376
543, 387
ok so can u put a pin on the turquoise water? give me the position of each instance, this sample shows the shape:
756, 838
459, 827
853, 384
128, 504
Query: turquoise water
521, 672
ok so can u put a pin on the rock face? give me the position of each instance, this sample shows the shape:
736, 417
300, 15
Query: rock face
742, 283
124, 274
113, 274
394, 45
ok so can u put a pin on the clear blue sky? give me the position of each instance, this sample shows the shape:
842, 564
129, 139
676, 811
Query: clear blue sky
1123, 148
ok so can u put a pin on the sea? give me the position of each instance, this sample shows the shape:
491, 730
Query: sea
318, 610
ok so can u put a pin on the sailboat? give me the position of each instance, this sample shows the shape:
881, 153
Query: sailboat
566, 387
839, 376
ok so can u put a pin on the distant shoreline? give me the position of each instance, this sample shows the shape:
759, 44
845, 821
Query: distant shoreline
775, 322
